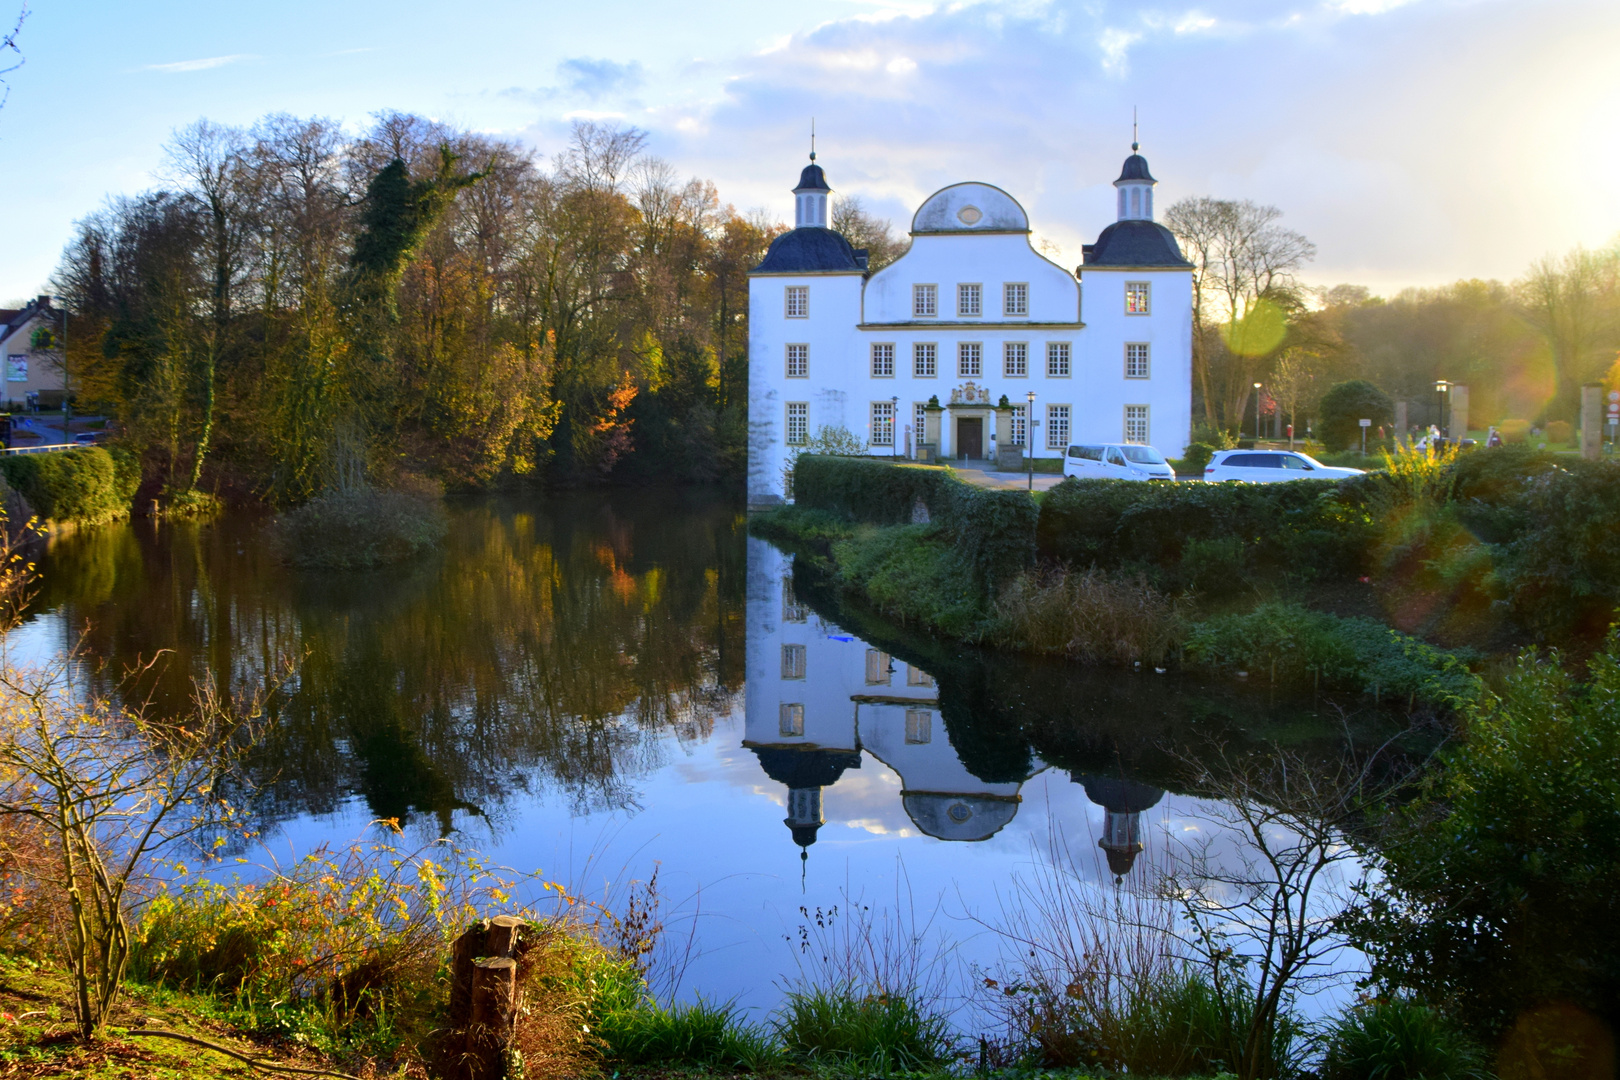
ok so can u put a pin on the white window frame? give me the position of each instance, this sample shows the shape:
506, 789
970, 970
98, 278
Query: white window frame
1145, 288
1146, 369
792, 610
793, 661
882, 360
882, 414
1059, 355
790, 720
1015, 299
1008, 350
802, 356
924, 301
969, 291
796, 302
919, 726
919, 349
1019, 428
878, 668
919, 420
1058, 418
802, 435
964, 349
1142, 419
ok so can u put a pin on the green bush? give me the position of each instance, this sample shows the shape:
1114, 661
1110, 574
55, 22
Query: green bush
914, 575
359, 530
1499, 885
1398, 1039
1291, 644
1297, 531
993, 531
877, 1033
88, 486
1193, 461
1343, 408
865, 489
1560, 431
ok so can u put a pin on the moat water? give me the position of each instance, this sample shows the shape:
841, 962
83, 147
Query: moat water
599, 686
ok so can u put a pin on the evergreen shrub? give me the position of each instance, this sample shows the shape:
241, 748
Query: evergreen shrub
993, 531
88, 486
1298, 530
1292, 644
1343, 408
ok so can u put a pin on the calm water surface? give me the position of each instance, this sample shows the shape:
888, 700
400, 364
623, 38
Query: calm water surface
596, 686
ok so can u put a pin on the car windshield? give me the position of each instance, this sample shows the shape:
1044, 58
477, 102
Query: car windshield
1143, 455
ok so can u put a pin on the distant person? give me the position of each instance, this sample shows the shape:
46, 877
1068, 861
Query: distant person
1493, 439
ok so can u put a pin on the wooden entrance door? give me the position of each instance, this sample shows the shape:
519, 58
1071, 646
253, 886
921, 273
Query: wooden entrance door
970, 437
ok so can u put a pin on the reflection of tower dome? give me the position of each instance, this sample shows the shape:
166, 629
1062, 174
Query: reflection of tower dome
1123, 800
945, 816
805, 773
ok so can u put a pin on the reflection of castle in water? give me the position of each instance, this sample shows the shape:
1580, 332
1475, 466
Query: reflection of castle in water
819, 698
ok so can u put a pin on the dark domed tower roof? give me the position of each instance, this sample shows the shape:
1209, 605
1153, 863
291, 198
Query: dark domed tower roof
811, 250
806, 768
1117, 794
812, 179
1136, 168
1136, 242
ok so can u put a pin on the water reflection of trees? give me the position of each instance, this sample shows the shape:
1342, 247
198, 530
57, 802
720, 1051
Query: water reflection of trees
552, 644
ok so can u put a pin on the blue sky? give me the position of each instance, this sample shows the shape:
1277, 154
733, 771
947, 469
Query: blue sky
1415, 141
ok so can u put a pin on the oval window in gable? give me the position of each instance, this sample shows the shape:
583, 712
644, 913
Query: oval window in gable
969, 215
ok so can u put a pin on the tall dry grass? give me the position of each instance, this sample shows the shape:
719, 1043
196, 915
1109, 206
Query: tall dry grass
1091, 616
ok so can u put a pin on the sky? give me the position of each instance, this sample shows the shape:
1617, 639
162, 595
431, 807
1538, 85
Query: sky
1416, 142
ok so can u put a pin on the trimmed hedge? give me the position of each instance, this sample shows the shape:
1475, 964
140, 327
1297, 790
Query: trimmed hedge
992, 532
1203, 535
88, 486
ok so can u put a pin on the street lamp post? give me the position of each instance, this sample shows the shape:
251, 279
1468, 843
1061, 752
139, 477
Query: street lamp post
1029, 439
67, 408
1257, 413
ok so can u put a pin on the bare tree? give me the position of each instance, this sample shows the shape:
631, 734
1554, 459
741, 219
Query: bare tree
1244, 267
8, 44
1574, 302
1293, 382
1264, 887
864, 229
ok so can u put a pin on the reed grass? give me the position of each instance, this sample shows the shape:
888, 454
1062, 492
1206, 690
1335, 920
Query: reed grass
1399, 1039
1090, 615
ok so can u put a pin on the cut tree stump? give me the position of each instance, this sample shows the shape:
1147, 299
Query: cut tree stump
484, 1001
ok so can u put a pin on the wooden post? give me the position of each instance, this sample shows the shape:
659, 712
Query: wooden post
494, 1014
483, 995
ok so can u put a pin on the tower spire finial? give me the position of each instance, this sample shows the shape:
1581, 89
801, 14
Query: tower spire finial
812, 138
1135, 145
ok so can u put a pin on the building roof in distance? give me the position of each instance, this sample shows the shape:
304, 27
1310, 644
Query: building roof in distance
970, 208
811, 250
1136, 242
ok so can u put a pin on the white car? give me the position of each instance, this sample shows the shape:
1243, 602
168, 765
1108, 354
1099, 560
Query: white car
1271, 466
1117, 461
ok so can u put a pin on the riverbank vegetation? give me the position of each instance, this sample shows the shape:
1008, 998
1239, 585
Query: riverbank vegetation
1399, 584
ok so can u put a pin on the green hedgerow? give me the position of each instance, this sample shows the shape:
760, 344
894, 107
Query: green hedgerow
361, 529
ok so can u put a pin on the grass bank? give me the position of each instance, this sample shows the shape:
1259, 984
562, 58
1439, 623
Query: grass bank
1402, 583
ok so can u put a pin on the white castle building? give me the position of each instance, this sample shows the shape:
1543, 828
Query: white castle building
943, 353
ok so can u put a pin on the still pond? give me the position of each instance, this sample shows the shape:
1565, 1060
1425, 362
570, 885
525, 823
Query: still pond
597, 686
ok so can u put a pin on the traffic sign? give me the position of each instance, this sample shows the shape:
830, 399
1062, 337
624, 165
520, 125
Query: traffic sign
1366, 423
1614, 395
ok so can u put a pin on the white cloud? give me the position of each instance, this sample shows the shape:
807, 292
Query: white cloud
198, 65
1116, 44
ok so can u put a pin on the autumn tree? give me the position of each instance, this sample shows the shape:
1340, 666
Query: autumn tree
1244, 293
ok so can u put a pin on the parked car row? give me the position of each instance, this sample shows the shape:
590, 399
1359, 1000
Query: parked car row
1131, 461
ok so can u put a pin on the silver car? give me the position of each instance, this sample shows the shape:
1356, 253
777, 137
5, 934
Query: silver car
1117, 461
1271, 467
